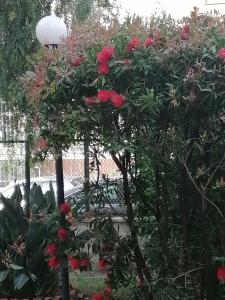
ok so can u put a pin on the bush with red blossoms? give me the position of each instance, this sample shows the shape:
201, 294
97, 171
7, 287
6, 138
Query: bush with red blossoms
167, 144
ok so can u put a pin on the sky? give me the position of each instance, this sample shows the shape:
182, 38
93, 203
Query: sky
177, 8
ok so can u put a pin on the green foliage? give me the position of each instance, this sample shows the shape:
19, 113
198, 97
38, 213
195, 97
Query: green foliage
23, 269
168, 140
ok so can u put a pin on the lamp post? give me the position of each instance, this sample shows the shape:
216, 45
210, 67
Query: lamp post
50, 31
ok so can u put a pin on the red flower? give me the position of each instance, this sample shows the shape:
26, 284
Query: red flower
64, 208
117, 100
184, 36
102, 263
77, 61
97, 296
90, 101
42, 144
104, 95
148, 42
133, 44
105, 55
84, 262
74, 263
103, 69
53, 262
186, 29
107, 292
126, 61
52, 249
62, 234
221, 53
221, 273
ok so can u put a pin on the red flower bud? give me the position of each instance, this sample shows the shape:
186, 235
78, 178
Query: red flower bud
104, 95
65, 208
126, 61
53, 262
97, 296
105, 55
148, 42
102, 264
221, 273
186, 29
107, 292
74, 263
77, 61
184, 36
62, 234
52, 249
133, 44
84, 262
221, 53
103, 69
117, 100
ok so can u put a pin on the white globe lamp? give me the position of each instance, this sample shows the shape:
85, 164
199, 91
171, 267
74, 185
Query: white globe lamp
51, 30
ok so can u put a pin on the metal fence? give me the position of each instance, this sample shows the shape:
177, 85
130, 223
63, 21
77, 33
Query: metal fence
12, 164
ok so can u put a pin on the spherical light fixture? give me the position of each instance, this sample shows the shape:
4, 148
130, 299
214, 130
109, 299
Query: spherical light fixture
51, 30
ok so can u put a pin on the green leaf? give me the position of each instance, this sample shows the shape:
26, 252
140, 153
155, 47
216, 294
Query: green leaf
4, 274
20, 280
12, 16
15, 267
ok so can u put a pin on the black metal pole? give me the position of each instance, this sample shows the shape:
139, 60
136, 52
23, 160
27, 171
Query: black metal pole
27, 177
86, 171
60, 200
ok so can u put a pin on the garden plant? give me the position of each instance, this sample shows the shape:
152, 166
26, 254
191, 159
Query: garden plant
152, 95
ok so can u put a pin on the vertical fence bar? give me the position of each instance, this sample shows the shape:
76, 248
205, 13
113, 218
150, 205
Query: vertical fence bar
60, 200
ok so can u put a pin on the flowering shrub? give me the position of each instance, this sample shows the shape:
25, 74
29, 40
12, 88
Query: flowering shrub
154, 98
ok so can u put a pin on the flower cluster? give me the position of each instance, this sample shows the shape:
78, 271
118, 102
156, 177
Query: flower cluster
103, 58
103, 96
